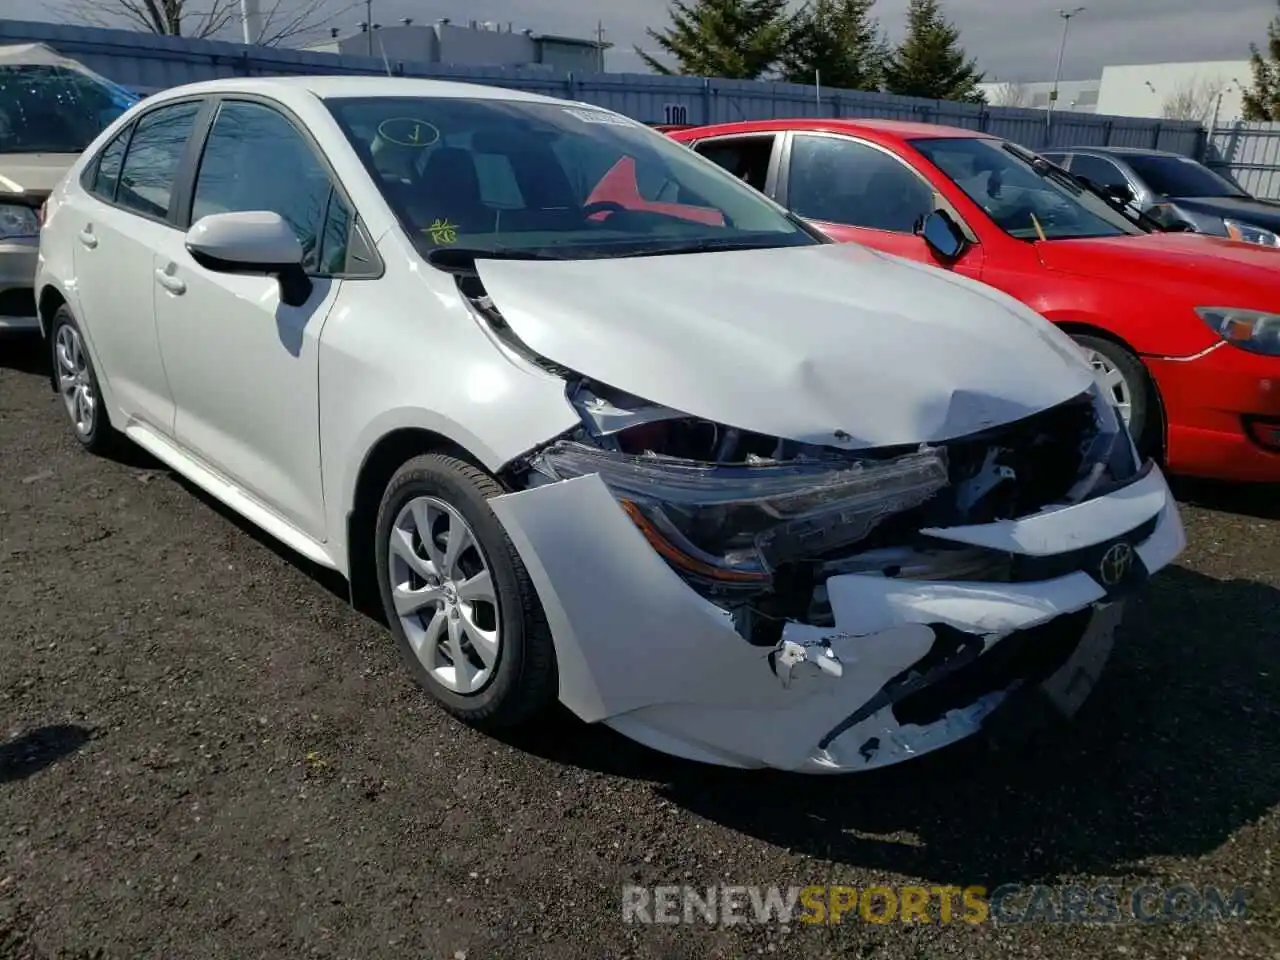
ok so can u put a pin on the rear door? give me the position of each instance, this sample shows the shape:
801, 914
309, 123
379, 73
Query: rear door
854, 190
122, 215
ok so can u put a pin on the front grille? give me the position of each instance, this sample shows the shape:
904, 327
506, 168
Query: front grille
18, 302
1030, 656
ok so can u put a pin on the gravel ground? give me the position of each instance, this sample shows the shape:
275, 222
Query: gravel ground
204, 752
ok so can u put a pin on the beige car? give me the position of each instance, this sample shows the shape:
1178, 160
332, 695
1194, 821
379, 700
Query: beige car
51, 108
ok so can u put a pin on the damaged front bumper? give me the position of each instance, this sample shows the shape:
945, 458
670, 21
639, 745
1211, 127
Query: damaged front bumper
909, 666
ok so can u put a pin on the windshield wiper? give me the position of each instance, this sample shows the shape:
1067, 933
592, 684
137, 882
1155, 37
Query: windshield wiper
453, 259
702, 246
1051, 171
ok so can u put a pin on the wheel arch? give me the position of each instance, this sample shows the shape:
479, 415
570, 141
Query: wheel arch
380, 463
49, 299
1088, 329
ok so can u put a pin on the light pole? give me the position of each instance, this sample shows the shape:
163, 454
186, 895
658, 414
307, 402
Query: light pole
1066, 16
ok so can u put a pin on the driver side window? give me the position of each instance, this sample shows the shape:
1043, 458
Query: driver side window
1102, 172
255, 159
837, 180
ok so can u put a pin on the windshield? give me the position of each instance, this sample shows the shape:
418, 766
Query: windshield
52, 109
550, 179
1024, 201
1180, 177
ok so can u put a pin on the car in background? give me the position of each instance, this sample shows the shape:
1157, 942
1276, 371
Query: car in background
1183, 330
670, 455
1173, 189
51, 108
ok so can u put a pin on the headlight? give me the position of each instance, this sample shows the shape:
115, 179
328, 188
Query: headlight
18, 222
731, 525
1248, 233
1254, 330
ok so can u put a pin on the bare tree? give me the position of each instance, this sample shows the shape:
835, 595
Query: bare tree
281, 20
1193, 100
1011, 94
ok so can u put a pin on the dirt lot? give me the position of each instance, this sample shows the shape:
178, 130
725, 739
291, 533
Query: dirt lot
205, 753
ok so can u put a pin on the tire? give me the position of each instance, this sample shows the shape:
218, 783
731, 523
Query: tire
1143, 407
77, 384
502, 682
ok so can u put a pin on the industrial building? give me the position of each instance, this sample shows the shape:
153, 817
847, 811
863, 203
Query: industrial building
476, 44
1206, 92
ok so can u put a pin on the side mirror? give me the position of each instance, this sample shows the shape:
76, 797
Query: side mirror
943, 236
1121, 192
254, 241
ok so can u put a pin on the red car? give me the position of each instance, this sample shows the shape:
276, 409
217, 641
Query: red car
1184, 328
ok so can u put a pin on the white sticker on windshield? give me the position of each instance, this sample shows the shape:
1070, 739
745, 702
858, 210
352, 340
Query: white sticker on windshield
595, 116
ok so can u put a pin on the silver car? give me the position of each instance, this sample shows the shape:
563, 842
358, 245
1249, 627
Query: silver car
51, 108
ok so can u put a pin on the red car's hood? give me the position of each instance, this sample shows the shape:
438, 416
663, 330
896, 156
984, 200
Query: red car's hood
1174, 259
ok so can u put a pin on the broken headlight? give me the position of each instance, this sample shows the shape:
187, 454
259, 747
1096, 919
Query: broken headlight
731, 525
1111, 457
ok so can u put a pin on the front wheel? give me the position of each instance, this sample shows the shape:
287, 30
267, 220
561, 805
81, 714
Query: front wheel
457, 596
1125, 382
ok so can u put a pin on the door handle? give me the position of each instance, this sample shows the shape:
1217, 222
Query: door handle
170, 282
87, 238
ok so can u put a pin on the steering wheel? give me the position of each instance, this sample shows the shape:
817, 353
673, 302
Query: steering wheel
602, 206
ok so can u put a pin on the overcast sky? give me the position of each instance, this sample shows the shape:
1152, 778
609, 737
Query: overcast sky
1012, 39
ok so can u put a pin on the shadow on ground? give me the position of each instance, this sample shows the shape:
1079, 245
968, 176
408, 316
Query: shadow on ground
24, 352
1174, 752
34, 750
1261, 500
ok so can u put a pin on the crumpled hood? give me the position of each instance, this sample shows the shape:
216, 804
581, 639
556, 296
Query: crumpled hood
1224, 268
833, 344
33, 172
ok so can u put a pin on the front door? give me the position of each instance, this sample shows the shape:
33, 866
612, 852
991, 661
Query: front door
243, 364
856, 191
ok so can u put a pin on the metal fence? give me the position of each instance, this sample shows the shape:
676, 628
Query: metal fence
147, 63
1250, 153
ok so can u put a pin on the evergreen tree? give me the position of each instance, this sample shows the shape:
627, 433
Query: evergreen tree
1263, 101
930, 61
841, 40
736, 39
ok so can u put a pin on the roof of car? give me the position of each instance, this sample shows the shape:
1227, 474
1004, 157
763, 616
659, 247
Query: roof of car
343, 86
902, 129
1118, 151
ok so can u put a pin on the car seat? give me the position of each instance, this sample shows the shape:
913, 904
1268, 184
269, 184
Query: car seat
448, 190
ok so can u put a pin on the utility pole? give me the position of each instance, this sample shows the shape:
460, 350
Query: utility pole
251, 21
368, 19
1066, 16
600, 46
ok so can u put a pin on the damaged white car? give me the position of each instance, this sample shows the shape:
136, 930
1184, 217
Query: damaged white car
589, 418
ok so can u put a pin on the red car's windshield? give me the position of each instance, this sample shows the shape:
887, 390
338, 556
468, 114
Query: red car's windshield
1025, 202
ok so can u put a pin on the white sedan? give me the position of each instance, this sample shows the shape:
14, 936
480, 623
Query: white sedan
586, 417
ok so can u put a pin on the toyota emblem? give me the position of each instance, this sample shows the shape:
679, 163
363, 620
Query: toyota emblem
1116, 564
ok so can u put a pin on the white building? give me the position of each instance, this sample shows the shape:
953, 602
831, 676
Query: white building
474, 44
1078, 96
1178, 91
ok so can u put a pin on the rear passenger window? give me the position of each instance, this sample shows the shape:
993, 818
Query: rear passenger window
152, 161
747, 159
107, 172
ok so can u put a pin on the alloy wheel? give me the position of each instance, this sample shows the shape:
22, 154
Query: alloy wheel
74, 380
444, 594
1113, 382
